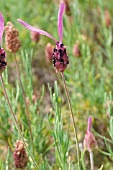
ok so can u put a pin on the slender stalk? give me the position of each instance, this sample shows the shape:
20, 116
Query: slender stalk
24, 97
16, 122
72, 116
82, 159
91, 160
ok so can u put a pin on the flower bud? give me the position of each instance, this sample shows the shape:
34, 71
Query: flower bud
89, 140
19, 155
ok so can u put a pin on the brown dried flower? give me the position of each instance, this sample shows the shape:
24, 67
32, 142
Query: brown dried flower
49, 52
107, 18
76, 50
67, 8
19, 155
11, 38
35, 36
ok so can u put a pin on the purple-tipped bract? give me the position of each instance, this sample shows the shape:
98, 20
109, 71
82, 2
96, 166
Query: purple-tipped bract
29, 27
89, 124
1, 26
60, 23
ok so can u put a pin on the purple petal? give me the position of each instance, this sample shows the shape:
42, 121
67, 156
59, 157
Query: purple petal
1, 26
60, 24
89, 124
36, 30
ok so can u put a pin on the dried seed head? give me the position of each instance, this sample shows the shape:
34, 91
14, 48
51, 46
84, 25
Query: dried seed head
107, 18
60, 57
19, 155
49, 52
35, 36
76, 50
11, 38
67, 8
3, 63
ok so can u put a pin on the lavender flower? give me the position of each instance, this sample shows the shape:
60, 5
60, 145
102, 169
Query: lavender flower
2, 51
20, 155
60, 58
89, 141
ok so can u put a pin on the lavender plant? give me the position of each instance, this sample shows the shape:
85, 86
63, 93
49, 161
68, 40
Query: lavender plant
60, 60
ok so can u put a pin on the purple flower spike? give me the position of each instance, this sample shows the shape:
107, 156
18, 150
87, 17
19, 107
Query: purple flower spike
89, 124
60, 23
60, 57
29, 27
1, 26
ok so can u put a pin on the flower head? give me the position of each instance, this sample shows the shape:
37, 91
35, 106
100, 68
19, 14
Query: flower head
60, 57
11, 38
20, 155
89, 140
2, 51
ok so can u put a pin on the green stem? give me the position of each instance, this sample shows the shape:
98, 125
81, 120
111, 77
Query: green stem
16, 122
72, 115
104, 153
24, 97
91, 160
82, 159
